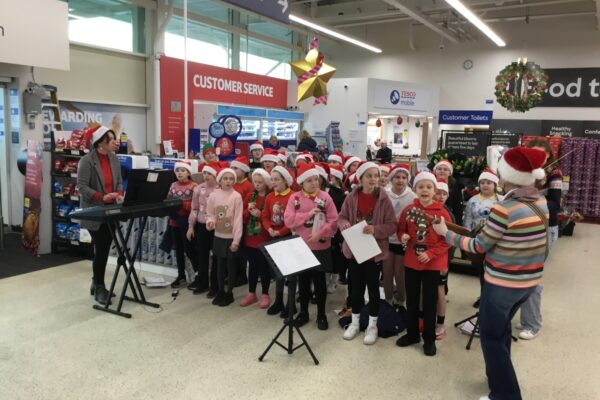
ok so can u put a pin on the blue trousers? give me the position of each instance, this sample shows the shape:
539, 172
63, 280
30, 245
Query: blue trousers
497, 308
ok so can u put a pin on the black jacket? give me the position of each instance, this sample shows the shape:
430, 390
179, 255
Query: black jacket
308, 145
384, 155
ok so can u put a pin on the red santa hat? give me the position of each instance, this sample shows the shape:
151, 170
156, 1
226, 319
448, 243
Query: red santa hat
212, 168
349, 161
337, 171
336, 157
183, 164
96, 134
257, 146
270, 155
442, 185
447, 163
224, 171
306, 171
363, 167
241, 163
266, 176
489, 175
282, 157
304, 156
399, 168
287, 174
522, 166
425, 176
323, 169
385, 168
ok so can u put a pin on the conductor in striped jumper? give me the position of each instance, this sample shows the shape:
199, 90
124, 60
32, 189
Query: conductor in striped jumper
515, 241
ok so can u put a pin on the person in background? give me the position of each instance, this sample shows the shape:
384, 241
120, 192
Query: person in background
242, 184
510, 276
255, 236
204, 237
269, 160
369, 153
443, 170
125, 146
384, 154
311, 214
209, 154
334, 188
369, 203
99, 181
225, 216
551, 188
351, 164
426, 255
256, 152
401, 196
273, 143
384, 172
182, 188
306, 143
282, 158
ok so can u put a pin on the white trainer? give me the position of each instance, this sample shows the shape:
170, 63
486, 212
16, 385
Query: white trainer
370, 335
351, 331
528, 334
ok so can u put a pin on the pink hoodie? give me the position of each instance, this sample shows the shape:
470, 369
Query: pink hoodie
225, 209
296, 215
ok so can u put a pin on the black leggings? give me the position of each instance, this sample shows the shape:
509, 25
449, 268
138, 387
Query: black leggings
226, 266
204, 244
102, 240
258, 265
365, 275
429, 280
183, 247
318, 279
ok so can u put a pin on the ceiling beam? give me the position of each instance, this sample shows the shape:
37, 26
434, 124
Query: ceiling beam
416, 14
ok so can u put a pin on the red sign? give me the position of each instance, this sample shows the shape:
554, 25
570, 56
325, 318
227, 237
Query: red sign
213, 84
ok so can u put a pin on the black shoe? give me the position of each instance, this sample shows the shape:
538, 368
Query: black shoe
179, 282
226, 300
275, 308
429, 349
476, 304
211, 294
407, 340
301, 319
195, 284
101, 295
322, 323
284, 312
342, 280
218, 298
200, 289
93, 289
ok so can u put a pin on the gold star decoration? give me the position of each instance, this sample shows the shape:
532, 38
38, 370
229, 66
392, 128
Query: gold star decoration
313, 75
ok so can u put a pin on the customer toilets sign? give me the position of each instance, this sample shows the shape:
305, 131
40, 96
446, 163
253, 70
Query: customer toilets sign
400, 96
572, 87
22, 42
460, 117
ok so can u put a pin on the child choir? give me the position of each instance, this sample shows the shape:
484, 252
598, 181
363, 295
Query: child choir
245, 204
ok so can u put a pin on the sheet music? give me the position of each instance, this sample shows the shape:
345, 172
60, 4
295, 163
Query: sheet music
363, 246
292, 256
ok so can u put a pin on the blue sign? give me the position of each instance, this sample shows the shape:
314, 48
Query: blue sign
460, 117
395, 97
277, 9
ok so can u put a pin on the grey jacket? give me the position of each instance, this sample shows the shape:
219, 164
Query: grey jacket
90, 180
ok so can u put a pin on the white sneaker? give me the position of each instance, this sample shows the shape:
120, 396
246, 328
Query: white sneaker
528, 334
370, 335
351, 331
440, 331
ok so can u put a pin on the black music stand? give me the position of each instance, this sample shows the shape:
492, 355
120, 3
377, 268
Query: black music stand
289, 321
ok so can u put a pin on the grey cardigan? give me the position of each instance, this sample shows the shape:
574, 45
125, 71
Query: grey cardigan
90, 180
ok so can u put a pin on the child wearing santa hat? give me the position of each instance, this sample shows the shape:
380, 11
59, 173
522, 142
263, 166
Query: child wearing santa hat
334, 188
443, 169
311, 214
369, 203
270, 159
204, 237
351, 164
225, 216
256, 152
336, 158
242, 184
384, 172
426, 255
182, 188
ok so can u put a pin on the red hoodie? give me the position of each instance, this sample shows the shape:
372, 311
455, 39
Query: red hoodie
255, 240
244, 187
426, 239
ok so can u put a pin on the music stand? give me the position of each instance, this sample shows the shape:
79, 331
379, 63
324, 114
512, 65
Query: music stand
288, 257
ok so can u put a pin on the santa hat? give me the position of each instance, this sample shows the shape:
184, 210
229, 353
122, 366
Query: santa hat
224, 171
97, 133
336, 157
257, 146
183, 164
287, 174
489, 175
212, 168
304, 156
270, 155
522, 166
282, 157
337, 171
306, 171
447, 163
266, 176
385, 168
349, 161
442, 185
208, 148
399, 168
363, 167
323, 169
241, 163
425, 176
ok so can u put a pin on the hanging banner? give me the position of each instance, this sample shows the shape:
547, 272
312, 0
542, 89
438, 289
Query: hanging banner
530, 127
572, 87
591, 129
562, 128
32, 204
460, 117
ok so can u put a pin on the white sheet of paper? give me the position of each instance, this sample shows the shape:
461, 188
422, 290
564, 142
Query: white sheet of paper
363, 246
292, 256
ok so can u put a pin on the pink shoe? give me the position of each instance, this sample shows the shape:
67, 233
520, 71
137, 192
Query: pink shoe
265, 301
249, 298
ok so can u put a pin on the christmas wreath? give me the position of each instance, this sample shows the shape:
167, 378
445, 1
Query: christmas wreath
520, 86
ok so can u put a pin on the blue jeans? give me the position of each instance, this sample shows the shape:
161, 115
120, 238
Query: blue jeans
497, 307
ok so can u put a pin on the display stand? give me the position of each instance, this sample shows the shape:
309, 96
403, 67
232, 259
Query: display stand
275, 262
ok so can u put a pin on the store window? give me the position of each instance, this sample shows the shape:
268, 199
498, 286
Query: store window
113, 24
264, 58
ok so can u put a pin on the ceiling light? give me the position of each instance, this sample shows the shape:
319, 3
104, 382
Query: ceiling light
468, 14
333, 33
